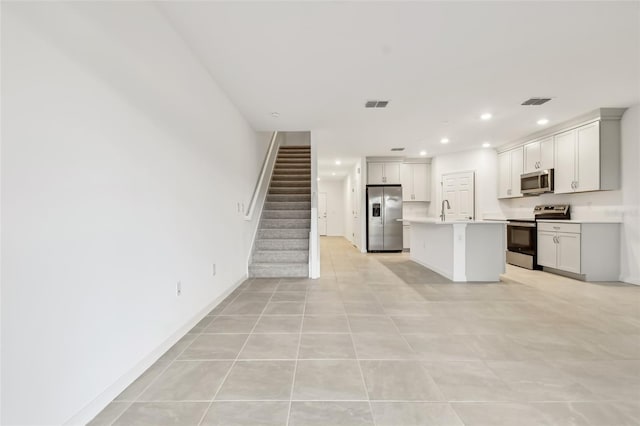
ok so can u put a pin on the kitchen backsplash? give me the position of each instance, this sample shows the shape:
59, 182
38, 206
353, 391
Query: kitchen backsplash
414, 209
597, 205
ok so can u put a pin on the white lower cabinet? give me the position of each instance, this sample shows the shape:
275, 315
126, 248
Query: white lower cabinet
568, 256
559, 250
589, 250
547, 250
406, 233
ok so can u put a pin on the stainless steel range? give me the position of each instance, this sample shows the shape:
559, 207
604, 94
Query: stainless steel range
522, 235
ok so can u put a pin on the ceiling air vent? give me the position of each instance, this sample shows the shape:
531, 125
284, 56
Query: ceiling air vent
397, 149
376, 104
536, 101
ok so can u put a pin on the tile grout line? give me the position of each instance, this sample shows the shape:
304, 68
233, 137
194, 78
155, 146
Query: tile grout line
364, 383
295, 366
226, 376
169, 364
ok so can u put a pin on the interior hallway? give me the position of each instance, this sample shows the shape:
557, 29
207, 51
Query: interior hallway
380, 340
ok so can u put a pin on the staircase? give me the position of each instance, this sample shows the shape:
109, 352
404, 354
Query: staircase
281, 248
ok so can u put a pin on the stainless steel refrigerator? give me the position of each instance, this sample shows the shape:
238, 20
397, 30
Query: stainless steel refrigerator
384, 208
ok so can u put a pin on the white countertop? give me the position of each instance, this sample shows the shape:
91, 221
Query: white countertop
437, 221
581, 221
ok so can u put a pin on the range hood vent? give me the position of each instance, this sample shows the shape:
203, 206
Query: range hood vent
536, 101
376, 104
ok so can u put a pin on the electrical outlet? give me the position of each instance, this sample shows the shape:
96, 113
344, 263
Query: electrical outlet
213, 270
179, 288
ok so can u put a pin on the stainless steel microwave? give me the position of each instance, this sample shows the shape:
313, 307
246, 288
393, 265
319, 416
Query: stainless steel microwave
536, 182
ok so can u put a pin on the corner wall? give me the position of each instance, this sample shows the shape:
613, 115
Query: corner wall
122, 167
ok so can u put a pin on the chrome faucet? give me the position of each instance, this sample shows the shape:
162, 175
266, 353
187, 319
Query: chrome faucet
442, 215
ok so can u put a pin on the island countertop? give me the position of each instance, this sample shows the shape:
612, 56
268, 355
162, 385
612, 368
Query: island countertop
436, 221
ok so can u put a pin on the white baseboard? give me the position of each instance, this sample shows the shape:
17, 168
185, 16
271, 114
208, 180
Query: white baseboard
630, 280
92, 409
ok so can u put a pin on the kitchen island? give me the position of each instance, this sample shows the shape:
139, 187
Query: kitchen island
460, 250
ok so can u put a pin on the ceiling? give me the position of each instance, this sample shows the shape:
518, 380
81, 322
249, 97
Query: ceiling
440, 64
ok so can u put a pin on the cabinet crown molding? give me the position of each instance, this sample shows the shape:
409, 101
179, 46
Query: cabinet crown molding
600, 114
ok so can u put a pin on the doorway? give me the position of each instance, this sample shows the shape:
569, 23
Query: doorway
459, 189
322, 213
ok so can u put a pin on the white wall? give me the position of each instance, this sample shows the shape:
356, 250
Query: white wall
630, 242
484, 162
295, 138
335, 206
122, 163
353, 205
262, 145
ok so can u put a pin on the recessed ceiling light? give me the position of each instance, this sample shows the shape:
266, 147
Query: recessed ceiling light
317, 178
486, 116
444, 140
338, 162
333, 174
275, 114
543, 121
423, 153
486, 145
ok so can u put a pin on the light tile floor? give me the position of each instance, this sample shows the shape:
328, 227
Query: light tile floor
379, 340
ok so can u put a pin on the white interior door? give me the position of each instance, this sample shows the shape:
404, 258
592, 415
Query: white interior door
322, 213
459, 190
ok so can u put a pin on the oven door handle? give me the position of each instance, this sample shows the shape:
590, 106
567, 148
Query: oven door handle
522, 224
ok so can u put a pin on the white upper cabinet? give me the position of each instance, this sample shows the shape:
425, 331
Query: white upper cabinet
564, 172
504, 174
416, 181
539, 155
375, 173
584, 154
392, 173
383, 173
588, 157
578, 158
510, 166
517, 160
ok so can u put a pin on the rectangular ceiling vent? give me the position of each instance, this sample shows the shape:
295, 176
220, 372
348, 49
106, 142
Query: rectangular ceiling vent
397, 149
376, 104
536, 101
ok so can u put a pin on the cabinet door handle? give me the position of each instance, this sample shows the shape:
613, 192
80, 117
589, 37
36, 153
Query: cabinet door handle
556, 227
